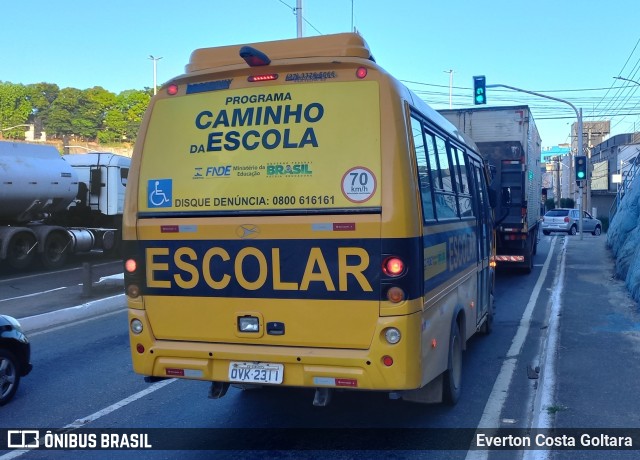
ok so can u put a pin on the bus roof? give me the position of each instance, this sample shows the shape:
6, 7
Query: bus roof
337, 45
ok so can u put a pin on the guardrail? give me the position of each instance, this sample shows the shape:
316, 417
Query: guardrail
627, 181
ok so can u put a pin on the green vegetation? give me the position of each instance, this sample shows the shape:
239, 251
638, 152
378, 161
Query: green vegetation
93, 114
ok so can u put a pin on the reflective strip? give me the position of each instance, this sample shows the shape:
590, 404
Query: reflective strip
510, 258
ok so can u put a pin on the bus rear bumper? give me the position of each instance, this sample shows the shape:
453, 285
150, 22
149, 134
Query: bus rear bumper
300, 366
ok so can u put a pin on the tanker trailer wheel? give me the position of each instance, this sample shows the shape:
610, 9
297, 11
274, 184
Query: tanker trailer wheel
55, 253
21, 250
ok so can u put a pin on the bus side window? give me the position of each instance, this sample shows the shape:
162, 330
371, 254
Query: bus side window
424, 174
464, 191
446, 201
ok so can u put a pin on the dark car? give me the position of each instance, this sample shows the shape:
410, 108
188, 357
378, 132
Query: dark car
15, 355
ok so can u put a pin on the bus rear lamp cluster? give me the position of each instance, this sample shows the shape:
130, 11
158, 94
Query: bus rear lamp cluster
132, 290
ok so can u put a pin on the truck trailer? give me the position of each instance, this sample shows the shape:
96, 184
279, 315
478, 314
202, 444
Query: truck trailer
509, 141
52, 205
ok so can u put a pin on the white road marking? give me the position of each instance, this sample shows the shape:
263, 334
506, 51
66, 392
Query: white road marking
542, 419
81, 422
492, 410
33, 294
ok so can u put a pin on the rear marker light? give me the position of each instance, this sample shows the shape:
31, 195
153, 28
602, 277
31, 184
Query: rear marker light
361, 72
172, 90
387, 360
140, 348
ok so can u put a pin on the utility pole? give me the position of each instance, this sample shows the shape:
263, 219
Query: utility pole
155, 73
299, 18
450, 72
558, 167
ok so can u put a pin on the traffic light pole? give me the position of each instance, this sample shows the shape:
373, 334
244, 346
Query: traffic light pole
578, 116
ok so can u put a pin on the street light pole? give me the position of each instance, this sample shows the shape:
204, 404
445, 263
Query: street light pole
155, 73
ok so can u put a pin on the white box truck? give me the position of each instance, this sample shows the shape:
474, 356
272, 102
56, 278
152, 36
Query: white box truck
509, 141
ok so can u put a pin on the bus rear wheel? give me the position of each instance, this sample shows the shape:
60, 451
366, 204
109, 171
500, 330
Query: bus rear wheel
452, 387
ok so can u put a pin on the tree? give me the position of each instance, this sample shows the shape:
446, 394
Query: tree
124, 119
15, 109
79, 112
64, 109
41, 96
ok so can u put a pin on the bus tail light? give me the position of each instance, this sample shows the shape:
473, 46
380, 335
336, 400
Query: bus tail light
130, 265
361, 72
387, 360
393, 266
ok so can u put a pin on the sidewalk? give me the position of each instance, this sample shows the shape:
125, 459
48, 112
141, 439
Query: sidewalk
598, 358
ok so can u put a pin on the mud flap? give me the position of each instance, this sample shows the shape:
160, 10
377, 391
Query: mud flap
431, 393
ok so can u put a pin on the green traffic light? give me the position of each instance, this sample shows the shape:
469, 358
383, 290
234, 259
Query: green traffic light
580, 175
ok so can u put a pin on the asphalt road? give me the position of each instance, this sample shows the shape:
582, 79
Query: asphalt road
82, 377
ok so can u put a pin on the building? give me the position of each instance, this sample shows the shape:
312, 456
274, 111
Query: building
553, 159
610, 162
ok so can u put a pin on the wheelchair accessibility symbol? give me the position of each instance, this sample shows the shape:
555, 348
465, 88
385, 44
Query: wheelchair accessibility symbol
159, 193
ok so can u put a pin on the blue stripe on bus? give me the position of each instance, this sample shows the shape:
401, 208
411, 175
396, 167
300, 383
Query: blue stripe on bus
338, 269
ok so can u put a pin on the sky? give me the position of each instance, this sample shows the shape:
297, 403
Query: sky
567, 49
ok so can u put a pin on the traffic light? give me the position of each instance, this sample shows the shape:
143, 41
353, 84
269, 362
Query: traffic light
479, 90
581, 167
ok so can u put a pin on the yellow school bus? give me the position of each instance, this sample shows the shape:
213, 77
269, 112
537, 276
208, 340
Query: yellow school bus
295, 216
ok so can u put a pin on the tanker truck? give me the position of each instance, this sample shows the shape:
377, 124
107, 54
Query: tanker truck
52, 205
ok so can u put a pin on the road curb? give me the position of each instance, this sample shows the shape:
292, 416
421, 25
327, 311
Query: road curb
68, 315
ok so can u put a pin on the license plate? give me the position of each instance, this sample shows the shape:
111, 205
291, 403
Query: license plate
255, 372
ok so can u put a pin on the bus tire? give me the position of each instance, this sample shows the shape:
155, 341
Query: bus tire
452, 386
